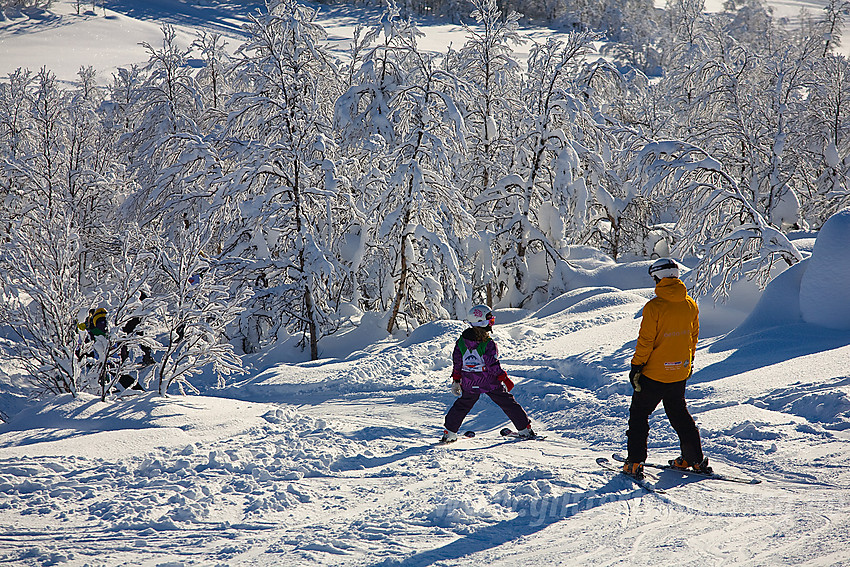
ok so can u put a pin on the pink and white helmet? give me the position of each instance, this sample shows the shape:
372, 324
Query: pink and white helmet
481, 316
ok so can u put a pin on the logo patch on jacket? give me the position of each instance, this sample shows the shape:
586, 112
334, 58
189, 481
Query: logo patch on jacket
472, 360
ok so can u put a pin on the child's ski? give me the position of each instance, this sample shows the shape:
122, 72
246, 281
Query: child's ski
642, 482
506, 432
714, 476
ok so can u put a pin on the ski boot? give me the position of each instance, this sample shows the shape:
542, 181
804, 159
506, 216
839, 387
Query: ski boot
634, 470
527, 433
701, 467
448, 436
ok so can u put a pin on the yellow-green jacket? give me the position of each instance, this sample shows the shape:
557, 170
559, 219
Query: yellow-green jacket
668, 333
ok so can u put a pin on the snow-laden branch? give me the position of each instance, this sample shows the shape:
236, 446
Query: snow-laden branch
719, 224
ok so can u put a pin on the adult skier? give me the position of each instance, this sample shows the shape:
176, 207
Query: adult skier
476, 370
662, 363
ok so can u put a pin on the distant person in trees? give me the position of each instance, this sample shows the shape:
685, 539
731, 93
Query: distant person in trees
475, 371
96, 323
662, 363
94, 326
97, 331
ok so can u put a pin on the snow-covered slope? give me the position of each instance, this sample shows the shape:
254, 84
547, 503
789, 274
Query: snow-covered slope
63, 41
111, 36
333, 462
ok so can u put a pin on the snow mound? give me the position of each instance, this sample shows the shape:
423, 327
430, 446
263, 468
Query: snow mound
779, 304
586, 299
823, 289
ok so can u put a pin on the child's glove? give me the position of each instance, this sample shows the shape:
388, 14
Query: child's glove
509, 385
456, 389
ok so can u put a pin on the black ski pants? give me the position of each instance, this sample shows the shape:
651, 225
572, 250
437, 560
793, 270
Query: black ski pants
503, 399
645, 402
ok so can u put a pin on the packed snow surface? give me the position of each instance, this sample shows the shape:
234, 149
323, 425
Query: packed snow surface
333, 462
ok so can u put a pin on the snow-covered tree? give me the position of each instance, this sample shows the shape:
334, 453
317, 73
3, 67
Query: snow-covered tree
195, 314
62, 243
50, 176
15, 133
492, 109
173, 162
828, 121
620, 220
212, 78
744, 103
544, 197
285, 177
719, 222
42, 298
835, 13
403, 95
13, 5
119, 110
126, 294
14, 96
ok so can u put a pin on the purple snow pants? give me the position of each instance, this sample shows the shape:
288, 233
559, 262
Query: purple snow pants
503, 399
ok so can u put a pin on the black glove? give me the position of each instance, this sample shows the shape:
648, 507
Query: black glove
634, 376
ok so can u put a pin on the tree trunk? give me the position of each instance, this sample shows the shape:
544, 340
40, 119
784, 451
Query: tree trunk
402, 280
311, 323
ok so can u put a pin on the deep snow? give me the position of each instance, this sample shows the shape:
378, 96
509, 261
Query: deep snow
829, 270
333, 463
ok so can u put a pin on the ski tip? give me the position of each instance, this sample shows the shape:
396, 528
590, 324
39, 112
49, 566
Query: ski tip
602, 461
505, 432
469, 434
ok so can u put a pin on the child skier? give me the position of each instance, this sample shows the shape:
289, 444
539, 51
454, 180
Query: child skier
477, 371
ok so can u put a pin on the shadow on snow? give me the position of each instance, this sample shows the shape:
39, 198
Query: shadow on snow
539, 515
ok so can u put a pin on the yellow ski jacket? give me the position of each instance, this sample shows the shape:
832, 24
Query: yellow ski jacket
668, 333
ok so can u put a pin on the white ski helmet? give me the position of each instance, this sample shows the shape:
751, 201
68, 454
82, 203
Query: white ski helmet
664, 268
480, 316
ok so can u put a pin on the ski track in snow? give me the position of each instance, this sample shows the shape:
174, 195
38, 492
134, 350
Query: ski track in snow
347, 473
339, 466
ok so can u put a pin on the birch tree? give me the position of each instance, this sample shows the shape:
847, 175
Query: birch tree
407, 98
492, 109
720, 224
285, 176
555, 146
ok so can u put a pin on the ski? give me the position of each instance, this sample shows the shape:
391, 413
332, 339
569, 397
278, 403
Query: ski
642, 482
713, 476
506, 432
465, 434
